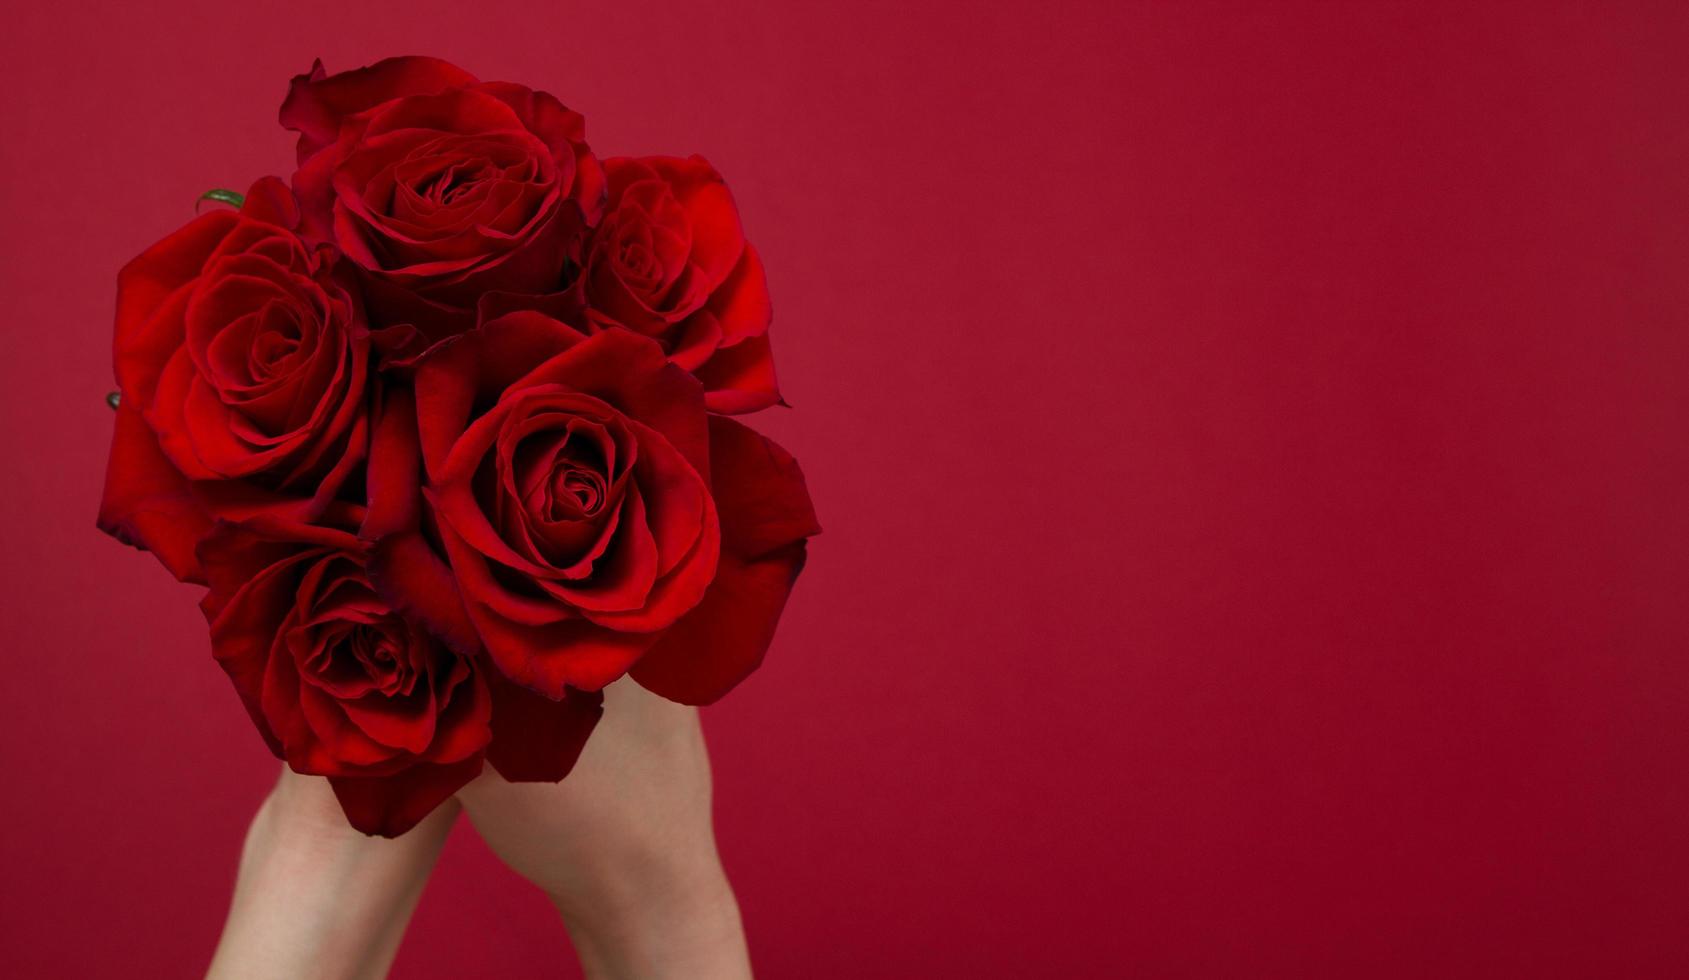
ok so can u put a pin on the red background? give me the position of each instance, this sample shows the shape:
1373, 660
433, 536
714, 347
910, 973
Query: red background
1251, 440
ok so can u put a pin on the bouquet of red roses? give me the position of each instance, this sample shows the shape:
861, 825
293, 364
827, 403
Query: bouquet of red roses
444, 429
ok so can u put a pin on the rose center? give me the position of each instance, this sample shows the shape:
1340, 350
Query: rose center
454, 182
377, 655
269, 351
561, 475
586, 488
352, 659
636, 259
275, 344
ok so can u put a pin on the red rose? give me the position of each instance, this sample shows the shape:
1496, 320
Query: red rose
565, 473
242, 359
341, 685
442, 189
670, 261
338, 684
567, 481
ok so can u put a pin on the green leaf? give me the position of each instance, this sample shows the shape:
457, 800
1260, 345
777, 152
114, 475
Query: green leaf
112, 399
233, 199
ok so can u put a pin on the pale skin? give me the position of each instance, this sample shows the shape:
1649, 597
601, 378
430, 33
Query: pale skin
624, 848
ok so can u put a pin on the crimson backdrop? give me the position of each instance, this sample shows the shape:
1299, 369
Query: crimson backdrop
1251, 440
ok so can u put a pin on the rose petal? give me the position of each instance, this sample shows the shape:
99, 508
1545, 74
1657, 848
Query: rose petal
269, 200
759, 491
766, 515
387, 806
695, 341
535, 738
466, 725
719, 643
146, 502
741, 304
718, 239
544, 657
631, 373
740, 379
395, 468
317, 102
405, 571
151, 299
452, 375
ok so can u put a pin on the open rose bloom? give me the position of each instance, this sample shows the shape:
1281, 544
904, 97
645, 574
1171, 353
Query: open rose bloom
441, 426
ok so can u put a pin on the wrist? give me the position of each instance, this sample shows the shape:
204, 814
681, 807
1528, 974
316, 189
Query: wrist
681, 923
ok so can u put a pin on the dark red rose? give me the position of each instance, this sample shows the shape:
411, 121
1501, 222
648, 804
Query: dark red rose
567, 491
670, 261
241, 355
444, 190
338, 683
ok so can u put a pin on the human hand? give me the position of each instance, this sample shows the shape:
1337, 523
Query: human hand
316, 898
625, 846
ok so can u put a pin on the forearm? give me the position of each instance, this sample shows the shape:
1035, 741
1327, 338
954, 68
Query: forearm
675, 921
315, 897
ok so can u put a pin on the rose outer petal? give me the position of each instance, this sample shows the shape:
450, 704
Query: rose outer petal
742, 304
740, 379
317, 103
387, 806
719, 643
766, 517
483, 362
548, 655
403, 568
146, 503
395, 468
537, 739
759, 490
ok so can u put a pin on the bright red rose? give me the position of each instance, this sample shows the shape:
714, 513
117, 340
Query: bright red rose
670, 261
338, 683
241, 354
570, 485
535, 738
565, 474
444, 190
